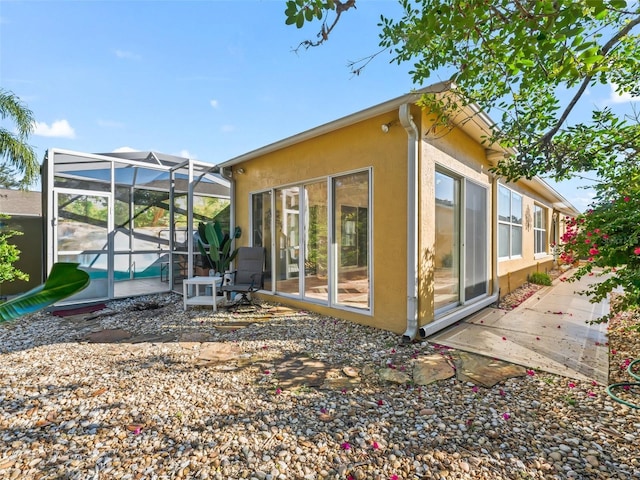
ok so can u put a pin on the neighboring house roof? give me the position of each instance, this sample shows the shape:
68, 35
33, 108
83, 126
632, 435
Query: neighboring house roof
471, 119
20, 203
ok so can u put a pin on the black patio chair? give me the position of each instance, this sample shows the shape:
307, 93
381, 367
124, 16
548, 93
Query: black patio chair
248, 276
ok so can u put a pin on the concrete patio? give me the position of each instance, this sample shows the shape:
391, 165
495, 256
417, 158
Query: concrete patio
547, 332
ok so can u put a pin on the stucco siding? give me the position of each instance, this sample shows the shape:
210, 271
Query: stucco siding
360, 146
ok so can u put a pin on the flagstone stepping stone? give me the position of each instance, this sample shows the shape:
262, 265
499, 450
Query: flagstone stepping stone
394, 375
194, 337
107, 336
340, 378
232, 326
218, 352
485, 371
299, 371
432, 368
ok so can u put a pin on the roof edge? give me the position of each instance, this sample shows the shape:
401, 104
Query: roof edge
348, 120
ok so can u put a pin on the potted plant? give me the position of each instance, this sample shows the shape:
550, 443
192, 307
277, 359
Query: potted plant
215, 245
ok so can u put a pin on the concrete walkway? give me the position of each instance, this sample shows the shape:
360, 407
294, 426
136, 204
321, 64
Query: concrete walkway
547, 332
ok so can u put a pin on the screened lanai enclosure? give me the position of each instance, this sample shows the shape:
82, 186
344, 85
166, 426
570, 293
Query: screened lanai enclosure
129, 219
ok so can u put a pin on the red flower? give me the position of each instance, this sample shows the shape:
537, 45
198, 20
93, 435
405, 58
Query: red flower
627, 199
636, 250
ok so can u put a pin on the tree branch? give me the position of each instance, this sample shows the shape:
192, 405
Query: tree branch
546, 139
323, 35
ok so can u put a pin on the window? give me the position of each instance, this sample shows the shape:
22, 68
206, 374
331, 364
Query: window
320, 248
509, 223
539, 230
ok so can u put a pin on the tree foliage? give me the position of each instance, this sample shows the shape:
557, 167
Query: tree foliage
520, 60
9, 254
514, 59
15, 152
605, 240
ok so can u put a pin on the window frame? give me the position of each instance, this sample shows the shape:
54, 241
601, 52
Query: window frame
511, 224
333, 268
540, 229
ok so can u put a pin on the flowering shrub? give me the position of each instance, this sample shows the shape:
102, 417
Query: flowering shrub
608, 236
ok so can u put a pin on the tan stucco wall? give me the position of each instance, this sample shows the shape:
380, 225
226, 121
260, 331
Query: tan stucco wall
362, 146
458, 154
353, 148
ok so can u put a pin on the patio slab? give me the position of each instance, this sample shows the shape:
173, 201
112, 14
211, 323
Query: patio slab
547, 332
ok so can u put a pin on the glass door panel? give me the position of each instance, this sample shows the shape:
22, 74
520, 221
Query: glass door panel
82, 236
261, 230
288, 240
475, 262
447, 246
351, 236
316, 262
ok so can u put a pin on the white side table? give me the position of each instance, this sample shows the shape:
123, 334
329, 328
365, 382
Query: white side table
199, 295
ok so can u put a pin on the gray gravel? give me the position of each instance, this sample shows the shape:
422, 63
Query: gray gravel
77, 410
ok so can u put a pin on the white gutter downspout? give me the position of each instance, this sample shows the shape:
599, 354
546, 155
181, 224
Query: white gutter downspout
413, 143
495, 293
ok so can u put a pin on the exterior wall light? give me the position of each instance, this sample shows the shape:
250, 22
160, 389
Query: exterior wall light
386, 126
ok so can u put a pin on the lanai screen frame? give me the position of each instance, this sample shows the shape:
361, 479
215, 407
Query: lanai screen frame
99, 176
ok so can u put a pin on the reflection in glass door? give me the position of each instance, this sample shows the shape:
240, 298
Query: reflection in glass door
351, 234
476, 241
447, 246
288, 240
461, 267
82, 236
316, 241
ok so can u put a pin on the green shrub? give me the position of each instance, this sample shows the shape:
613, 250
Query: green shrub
540, 278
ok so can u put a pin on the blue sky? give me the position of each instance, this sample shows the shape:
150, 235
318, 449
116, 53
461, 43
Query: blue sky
205, 79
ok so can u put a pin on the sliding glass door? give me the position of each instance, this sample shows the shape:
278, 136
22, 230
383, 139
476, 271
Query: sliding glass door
320, 245
461, 242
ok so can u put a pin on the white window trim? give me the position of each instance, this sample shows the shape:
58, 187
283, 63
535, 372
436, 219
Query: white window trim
544, 253
511, 224
332, 255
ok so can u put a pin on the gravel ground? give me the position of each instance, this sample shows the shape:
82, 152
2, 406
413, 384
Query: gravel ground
78, 410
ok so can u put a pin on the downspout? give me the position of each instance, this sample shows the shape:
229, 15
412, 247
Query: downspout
413, 143
495, 290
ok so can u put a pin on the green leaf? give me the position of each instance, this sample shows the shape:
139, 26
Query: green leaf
300, 20
308, 14
64, 280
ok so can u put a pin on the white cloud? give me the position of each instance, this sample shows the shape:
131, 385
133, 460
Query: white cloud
127, 55
59, 128
615, 97
124, 150
214, 103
